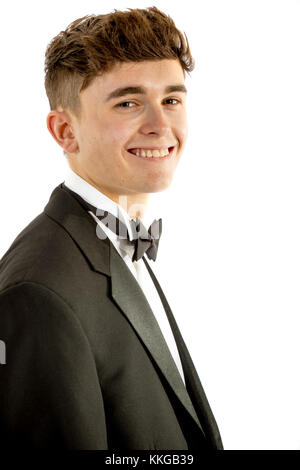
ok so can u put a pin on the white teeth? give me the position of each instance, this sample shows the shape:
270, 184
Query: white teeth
151, 153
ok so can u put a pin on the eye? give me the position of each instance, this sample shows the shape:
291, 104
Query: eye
126, 104
174, 100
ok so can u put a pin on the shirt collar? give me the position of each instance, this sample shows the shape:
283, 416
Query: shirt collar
96, 198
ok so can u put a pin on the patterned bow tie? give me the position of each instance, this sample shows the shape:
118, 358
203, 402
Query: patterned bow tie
145, 241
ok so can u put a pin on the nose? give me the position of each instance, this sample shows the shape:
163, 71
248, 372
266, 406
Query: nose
155, 121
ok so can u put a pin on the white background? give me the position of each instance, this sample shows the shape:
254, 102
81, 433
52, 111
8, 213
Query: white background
233, 279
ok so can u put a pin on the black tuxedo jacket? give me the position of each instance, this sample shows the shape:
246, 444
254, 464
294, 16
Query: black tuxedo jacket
87, 366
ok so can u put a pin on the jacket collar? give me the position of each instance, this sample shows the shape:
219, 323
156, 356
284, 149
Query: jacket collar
68, 211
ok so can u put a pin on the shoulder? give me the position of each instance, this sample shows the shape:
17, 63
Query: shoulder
32, 312
27, 298
38, 254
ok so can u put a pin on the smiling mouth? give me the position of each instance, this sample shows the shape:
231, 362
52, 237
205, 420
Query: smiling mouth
152, 154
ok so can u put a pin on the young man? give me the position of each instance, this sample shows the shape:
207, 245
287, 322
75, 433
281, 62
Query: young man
94, 358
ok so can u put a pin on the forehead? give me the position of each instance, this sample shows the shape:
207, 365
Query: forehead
153, 76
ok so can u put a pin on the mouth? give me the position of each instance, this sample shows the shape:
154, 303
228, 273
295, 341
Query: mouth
152, 154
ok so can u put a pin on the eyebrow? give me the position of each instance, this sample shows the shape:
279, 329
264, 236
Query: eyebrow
138, 90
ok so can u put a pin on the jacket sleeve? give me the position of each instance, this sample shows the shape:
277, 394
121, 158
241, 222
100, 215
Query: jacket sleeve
50, 395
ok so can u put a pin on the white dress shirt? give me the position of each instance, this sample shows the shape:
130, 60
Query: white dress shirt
96, 198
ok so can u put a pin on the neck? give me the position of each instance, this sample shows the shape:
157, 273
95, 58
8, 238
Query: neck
135, 205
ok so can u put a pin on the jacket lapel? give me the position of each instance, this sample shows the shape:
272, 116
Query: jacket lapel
132, 301
67, 209
193, 384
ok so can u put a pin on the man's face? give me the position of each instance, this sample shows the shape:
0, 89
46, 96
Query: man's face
116, 124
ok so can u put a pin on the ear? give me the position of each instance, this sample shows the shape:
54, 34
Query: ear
59, 126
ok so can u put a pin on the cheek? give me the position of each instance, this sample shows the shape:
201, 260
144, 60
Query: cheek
117, 133
182, 129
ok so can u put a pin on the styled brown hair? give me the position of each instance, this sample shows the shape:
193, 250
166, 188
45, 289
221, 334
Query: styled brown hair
93, 44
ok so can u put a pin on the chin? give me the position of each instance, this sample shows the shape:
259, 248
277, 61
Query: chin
158, 186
